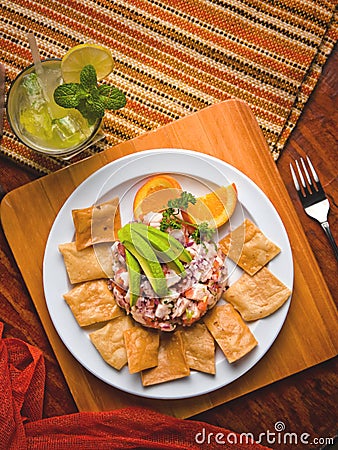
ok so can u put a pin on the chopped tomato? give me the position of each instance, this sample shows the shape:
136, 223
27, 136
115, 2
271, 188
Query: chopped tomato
202, 306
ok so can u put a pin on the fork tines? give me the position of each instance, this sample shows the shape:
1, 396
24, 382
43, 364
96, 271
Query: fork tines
310, 190
313, 198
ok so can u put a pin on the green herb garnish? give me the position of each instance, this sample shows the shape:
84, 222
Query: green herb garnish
202, 232
87, 97
171, 219
183, 201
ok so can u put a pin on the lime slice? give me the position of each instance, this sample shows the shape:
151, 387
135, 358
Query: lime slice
83, 54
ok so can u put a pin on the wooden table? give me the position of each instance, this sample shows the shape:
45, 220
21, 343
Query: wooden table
304, 402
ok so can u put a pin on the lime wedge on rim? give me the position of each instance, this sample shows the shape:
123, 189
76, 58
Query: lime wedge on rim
83, 54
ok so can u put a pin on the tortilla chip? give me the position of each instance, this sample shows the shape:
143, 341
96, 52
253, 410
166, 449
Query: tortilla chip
109, 341
172, 363
199, 348
258, 296
230, 332
92, 302
97, 224
248, 247
88, 264
142, 346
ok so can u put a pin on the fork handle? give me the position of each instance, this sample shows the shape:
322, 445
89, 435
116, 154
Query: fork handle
326, 228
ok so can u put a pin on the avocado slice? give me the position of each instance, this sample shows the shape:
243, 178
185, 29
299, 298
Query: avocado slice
146, 257
163, 250
134, 272
168, 241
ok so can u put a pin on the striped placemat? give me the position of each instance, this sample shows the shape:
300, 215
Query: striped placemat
175, 57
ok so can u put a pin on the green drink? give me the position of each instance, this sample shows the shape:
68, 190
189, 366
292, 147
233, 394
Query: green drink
39, 122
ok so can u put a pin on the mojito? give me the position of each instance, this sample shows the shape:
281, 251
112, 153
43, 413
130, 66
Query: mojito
38, 121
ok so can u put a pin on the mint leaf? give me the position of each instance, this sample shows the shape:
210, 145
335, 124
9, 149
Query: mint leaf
88, 77
111, 97
68, 95
95, 103
87, 112
87, 97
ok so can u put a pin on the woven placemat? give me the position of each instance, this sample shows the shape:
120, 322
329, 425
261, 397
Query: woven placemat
175, 57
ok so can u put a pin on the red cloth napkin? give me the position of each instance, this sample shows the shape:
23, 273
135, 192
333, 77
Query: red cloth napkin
22, 381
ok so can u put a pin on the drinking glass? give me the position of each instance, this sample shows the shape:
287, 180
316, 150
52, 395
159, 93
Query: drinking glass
41, 124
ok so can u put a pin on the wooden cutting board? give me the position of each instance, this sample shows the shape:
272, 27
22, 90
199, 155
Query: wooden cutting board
230, 132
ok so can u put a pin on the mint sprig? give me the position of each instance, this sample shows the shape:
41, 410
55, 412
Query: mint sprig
87, 97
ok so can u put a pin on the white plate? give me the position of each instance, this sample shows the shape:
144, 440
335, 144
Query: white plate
197, 173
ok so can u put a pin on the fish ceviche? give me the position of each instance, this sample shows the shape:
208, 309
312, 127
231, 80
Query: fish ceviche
189, 294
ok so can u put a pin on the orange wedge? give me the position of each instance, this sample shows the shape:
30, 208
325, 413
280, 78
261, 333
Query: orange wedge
216, 207
155, 194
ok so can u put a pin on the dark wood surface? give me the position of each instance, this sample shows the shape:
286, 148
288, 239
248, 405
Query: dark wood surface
305, 402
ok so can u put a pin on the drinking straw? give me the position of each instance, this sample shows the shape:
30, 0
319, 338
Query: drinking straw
37, 63
35, 53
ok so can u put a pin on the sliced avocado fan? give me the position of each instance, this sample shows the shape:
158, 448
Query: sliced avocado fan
164, 252
146, 257
168, 242
148, 247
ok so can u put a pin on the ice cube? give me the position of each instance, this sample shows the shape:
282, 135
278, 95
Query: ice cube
67, 128
31, 84
37, 121
34, 96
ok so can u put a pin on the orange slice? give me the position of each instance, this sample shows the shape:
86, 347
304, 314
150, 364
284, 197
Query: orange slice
216, 207
155, 194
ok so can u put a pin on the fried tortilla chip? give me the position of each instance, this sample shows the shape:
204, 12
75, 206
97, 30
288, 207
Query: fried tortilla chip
142, 346
172, 363
230, 332
109, 341
88, 264
92, 302
248, 247
97, 224
199, 348
258, 296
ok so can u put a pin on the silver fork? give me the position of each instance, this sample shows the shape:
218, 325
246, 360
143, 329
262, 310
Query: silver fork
312, 197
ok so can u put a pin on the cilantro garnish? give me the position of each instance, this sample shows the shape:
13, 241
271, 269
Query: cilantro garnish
171, 218
183, 201
89, 98
202, 232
